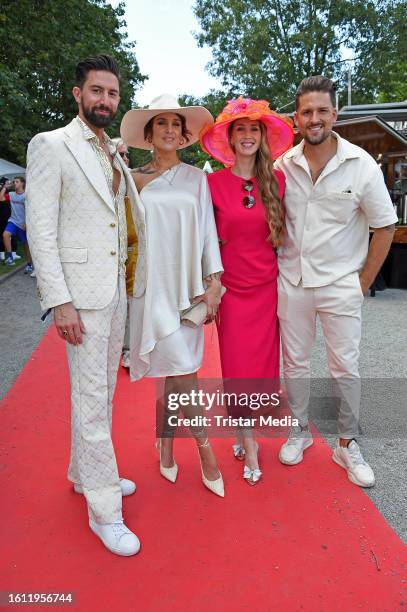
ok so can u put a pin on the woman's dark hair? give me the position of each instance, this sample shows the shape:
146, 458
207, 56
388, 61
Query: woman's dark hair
99, 62
148, 128
315, 83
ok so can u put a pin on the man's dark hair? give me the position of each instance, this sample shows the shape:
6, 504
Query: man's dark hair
315, 83
99, 62
20, 178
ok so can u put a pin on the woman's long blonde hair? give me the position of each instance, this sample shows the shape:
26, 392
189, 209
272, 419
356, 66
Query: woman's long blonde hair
268, 186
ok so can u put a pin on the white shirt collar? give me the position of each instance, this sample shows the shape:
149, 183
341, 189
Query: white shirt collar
345, 149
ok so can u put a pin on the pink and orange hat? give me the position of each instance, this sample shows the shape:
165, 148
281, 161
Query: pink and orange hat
214, 139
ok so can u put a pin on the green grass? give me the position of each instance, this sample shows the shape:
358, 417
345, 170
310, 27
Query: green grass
19, 263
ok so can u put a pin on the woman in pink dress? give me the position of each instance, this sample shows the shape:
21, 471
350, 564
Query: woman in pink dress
247, 197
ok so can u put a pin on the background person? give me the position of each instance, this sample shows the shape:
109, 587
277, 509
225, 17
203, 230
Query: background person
16, 225
182, 254
247, 198
122, 149
334, 192
5, 211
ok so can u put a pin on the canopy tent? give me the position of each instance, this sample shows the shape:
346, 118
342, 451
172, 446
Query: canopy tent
10, 170
207, 168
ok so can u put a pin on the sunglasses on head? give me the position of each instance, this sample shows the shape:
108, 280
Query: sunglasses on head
248, 200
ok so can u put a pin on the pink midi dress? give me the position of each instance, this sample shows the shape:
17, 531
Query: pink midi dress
248, 326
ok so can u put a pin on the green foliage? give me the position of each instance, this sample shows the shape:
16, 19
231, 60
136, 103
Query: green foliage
264, 48
41, 41
214, 102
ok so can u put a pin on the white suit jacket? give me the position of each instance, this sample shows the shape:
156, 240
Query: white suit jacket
72, 225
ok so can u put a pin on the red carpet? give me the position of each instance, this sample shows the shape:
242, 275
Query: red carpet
304, 539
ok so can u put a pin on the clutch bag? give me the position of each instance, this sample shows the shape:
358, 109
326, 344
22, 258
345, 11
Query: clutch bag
195, 315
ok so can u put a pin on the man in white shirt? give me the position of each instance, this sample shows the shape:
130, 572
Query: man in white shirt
334, 192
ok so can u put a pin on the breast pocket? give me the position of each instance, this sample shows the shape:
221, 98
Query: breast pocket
338, 207
73, 254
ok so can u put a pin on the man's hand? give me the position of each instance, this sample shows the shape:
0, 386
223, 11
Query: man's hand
68, 323
378, 249
364, 285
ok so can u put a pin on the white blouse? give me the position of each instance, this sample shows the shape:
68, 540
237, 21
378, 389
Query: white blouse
182, 249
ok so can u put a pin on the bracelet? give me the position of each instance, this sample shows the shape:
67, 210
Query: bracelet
213, 276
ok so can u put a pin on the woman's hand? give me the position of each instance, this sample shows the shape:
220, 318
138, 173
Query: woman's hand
212, 297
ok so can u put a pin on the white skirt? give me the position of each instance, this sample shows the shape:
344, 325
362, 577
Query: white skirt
174, 355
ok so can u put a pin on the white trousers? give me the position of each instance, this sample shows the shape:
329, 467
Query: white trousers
339, 309
93, 372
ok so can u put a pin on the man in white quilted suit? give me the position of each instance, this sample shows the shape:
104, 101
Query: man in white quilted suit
76, 226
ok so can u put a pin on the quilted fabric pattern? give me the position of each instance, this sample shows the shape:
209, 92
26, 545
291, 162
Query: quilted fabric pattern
69, 206
117, 198
93, 371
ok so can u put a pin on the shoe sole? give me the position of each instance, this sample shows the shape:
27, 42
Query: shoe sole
123, 494
350, 474
113, 550
300, 458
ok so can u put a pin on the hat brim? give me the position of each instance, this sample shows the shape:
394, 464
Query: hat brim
197, 119
280, 137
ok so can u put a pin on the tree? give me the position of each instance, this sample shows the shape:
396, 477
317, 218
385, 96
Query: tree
214, 102
384, 70
41, 41
264, 48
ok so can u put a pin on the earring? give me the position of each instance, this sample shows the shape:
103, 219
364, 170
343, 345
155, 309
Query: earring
181, 142
149, 139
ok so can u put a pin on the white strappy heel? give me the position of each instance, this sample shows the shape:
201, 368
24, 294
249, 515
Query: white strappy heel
216, 486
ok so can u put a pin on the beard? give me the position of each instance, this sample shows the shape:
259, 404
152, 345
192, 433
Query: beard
317, 140
98, 121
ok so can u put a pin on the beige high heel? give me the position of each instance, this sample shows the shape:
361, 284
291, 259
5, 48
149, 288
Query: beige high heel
170, 473
216, 486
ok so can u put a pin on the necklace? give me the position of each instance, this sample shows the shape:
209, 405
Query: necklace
317, 173
162, 173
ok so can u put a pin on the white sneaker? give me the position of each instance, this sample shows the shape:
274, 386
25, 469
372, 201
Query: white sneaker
33, 274
16, 256
117, 538
127, 486
350, 458
292, 451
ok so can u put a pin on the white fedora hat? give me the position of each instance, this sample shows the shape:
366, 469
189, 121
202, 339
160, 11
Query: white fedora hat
134, 121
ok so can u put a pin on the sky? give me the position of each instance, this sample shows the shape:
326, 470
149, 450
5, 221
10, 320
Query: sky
166, 50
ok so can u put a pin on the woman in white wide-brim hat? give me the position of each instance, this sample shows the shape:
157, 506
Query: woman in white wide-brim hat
183, 265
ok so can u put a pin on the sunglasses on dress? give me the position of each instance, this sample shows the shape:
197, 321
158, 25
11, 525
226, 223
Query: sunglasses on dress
123, 154
248, 200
